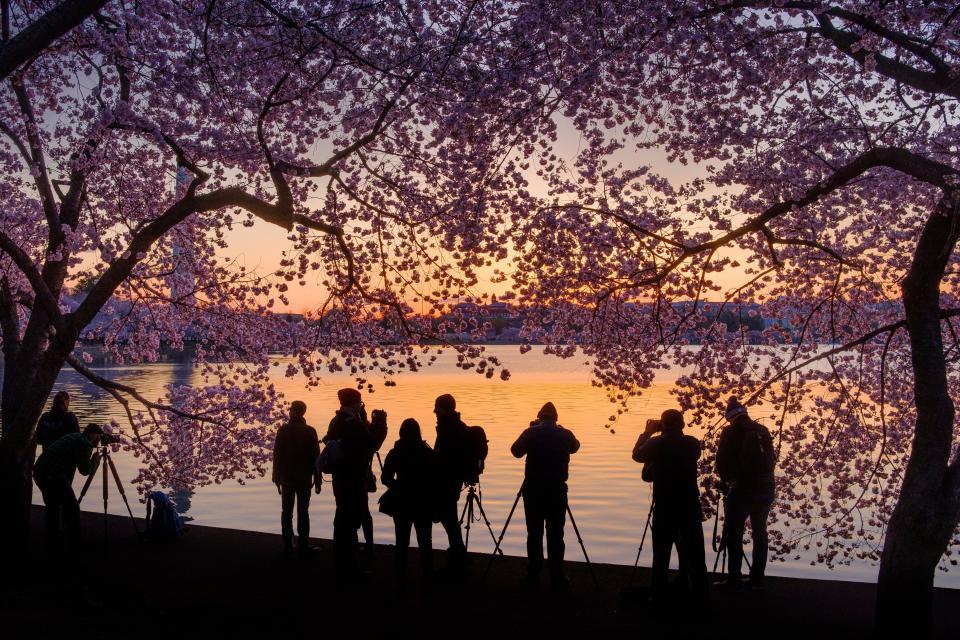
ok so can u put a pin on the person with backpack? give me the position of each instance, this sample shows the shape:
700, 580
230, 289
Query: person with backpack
356, 441
670, 462
745, 463
548, 447
295, 452
452, 456
53, 474
409, 475
57, 422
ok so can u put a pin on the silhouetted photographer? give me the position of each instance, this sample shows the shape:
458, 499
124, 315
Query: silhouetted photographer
53, 474
548, 447
745, 464
670, 462
452, 451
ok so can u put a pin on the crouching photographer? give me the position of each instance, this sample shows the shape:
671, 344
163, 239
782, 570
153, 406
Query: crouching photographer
53, 474
670, 462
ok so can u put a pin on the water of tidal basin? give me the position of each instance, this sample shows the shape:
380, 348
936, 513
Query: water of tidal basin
607, 496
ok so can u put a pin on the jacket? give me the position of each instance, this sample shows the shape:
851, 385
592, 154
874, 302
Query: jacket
295, 452
547, 447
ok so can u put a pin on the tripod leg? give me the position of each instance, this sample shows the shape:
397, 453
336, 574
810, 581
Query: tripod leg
106, 493
116, 478
506, 524
86, 485
468, 508
487, 521
584, 548
643, 539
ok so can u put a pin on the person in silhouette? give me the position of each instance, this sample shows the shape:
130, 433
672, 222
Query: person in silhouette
745, 463
548, 447
295, 452
53, 474
57, 422
670, 460
452, 457
409, 475
357, 439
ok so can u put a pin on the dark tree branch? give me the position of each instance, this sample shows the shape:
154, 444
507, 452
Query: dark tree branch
34, 39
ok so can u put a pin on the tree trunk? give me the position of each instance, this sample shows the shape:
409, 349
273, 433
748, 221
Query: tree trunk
18, 447
927, 511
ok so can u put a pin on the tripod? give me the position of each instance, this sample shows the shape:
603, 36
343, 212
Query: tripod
643, 538
107, 462
468, 514
507, 524
719, 543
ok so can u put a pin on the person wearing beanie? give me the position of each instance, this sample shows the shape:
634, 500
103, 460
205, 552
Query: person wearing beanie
670, 461
358, 439
547, 447
745, 463
295, 452
409, 475
451, 449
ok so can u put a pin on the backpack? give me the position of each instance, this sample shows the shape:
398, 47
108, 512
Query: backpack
329, 457
475, 452
757, 455
164, 523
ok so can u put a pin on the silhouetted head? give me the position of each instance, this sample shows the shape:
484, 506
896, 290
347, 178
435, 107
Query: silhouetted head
410, 430
445, 405
93, 432
671, 420
61, 401
734, 409
298, 409
349, 397
548, 412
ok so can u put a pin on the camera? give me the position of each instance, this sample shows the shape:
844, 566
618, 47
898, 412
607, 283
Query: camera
378, 416
107, 439
654, 426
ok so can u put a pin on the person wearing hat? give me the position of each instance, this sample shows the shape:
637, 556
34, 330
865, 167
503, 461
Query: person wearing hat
547, 447
450, 448
358, 439
53, 474
745, 463
670, 459
295, 452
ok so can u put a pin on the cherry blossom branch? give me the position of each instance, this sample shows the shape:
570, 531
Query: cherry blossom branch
34, 39
110, 385
37, 283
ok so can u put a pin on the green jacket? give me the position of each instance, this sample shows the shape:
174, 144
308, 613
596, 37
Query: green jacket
72, 452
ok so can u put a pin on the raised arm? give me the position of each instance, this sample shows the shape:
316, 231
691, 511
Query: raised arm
519, 448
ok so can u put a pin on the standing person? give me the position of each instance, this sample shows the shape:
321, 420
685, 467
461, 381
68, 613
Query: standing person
451, 451
57, 422
295, 452
356, 439
670, 459
408, 473
745, 464
547, 447
53, 473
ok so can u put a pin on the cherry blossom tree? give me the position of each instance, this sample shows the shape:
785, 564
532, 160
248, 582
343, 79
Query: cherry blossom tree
382, 137
823, 138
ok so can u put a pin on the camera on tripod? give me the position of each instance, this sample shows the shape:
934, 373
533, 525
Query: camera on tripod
107, 439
